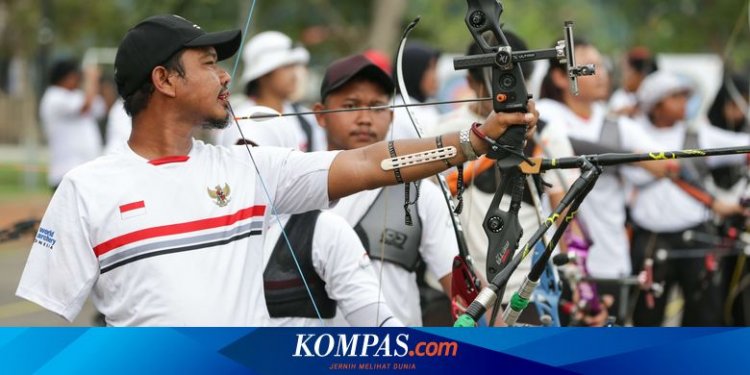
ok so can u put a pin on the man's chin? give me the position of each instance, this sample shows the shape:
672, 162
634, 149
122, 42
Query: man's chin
217, 123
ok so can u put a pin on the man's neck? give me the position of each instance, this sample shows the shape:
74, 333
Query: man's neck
155, 137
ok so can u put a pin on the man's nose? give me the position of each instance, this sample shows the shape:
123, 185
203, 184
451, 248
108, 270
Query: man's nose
224, 77
364, 116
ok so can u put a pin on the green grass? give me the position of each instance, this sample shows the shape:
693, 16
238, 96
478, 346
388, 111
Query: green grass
12, 184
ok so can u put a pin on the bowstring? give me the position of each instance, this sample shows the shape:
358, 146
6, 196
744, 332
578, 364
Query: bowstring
260, 177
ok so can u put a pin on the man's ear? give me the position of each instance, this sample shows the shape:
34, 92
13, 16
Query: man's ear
163, 82
319, 117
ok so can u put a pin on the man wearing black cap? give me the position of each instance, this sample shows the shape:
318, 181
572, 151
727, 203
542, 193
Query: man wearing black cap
169, 230
377, 215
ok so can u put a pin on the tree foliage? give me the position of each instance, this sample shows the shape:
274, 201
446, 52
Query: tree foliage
331, 28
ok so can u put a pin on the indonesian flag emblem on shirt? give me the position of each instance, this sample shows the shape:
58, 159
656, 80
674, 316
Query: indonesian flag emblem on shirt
132, 209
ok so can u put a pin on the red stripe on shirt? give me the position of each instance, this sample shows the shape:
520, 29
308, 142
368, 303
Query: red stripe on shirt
131, 206
179, 228
169, 159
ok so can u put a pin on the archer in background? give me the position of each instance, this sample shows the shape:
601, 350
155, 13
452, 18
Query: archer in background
637, 64
377, 216
271, 78
665, 208
732, 181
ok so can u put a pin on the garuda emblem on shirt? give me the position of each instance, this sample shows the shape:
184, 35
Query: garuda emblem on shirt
220, 195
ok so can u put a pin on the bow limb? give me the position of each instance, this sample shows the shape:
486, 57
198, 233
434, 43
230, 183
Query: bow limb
274, 212
465, 284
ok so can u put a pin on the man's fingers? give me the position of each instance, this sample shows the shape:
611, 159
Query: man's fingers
515, 118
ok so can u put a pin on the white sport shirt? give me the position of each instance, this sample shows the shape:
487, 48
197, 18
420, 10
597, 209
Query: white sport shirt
176, 241
655, 199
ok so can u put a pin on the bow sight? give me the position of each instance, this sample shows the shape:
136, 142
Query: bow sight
507, 84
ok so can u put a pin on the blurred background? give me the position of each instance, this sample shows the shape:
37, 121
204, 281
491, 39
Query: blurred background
700, 37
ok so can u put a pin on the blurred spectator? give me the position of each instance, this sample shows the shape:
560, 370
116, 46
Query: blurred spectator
729, 112
637, 65
271, 60
662, 100
726, 113
69, 117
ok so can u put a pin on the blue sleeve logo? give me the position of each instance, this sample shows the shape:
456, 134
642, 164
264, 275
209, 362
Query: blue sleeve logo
46, 238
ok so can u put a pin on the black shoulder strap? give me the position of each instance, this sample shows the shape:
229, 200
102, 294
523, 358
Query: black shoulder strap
284, 289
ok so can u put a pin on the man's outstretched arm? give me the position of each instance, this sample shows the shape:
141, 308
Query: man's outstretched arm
359, 169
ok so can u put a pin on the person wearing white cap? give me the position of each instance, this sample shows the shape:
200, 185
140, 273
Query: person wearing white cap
270, 79
662, 100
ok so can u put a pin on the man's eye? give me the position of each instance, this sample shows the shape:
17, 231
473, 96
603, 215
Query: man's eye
348, 105
378, 107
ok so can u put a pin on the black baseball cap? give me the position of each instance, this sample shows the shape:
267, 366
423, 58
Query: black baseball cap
343, 70
156, 39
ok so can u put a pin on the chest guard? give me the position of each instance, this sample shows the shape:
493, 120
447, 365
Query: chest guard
285, 292
385, 235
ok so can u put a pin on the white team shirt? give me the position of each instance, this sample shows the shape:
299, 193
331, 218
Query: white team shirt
341, 262
603, 210
654, 199
281, 131
438, 247
176, 241
73, 137
477, 202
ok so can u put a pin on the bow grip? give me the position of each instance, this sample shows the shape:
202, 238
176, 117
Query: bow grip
509, 95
